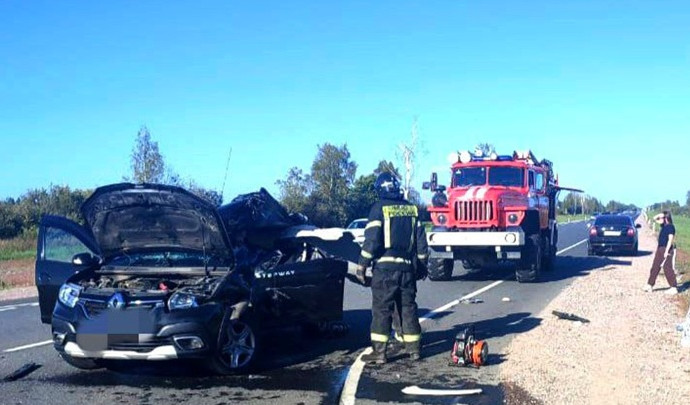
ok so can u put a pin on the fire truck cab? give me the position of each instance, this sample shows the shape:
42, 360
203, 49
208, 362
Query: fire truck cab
496, 209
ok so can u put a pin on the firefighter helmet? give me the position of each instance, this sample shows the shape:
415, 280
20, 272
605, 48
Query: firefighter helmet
387, 186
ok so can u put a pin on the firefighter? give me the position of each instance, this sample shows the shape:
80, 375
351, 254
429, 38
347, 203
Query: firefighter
395, 247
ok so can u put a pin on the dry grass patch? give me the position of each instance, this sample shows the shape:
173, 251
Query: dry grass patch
16, 273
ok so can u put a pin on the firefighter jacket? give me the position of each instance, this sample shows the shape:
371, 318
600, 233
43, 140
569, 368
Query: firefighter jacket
394, 238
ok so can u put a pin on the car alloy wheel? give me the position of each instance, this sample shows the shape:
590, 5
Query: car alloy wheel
239, 345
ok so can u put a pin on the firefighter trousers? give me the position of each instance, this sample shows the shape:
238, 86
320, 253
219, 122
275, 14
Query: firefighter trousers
390, 288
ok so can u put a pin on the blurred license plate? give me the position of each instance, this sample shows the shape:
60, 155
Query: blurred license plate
612, 233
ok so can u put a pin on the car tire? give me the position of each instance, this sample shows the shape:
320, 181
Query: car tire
238, 346
635, 250
83, 364
440, 269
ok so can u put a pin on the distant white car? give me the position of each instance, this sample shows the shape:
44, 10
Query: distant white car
356, 228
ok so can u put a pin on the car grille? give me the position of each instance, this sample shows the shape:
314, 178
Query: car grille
474, 211
94, 307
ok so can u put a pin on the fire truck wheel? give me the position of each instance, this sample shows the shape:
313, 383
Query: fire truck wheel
440, 269
528, 270
549, 256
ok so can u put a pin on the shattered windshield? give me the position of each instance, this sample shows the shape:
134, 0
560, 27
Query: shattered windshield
469, 176
507, 176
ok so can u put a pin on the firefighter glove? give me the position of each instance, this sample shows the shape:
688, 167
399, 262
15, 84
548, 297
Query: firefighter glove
360, 273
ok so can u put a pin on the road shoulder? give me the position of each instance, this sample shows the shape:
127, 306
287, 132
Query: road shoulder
628, 353
18, 293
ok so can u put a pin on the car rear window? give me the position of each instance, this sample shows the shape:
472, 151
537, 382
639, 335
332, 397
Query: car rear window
613, 220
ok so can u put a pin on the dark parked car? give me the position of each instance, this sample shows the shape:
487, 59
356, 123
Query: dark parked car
154, 275
613, 233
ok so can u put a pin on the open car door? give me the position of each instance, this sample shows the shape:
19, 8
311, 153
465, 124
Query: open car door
310, 291
59, 239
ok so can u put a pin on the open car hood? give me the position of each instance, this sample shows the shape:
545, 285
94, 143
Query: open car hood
127, 217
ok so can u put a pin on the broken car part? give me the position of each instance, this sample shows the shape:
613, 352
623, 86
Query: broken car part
22, 372
570, 317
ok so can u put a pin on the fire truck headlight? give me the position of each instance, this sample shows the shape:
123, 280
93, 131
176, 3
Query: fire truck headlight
442, 219
511, 238
512, 218
465, 157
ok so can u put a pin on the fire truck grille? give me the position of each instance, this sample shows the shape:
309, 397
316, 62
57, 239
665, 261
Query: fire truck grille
474, 211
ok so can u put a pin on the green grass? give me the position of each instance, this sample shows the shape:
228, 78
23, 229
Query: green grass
682, 224
21, 247
562, 219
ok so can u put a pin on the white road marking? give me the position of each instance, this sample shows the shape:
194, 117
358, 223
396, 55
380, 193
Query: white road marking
347, 397
572, 246
431, 314
31, 346
17, 306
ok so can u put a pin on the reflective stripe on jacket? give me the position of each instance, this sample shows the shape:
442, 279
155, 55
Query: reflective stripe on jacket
393, 237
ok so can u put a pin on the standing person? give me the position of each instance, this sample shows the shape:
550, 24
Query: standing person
395, 246
664, 254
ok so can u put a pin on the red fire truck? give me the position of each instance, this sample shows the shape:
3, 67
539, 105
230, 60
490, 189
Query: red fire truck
496, 209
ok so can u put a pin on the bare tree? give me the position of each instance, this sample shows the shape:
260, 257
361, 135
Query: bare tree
408, 153
485, 148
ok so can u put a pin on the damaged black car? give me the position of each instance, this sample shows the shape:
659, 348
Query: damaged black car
158, 273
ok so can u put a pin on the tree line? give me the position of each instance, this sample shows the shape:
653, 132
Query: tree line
21, 216
331, 194
578, 203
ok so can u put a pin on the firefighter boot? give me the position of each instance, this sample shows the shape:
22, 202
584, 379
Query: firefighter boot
378, 356
414, 350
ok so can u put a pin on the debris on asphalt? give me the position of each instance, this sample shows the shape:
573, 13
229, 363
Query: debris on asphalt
22, 372
570, 317
471, 301
416, 390
506, 299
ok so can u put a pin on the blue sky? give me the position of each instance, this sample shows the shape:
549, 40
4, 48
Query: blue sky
601, 88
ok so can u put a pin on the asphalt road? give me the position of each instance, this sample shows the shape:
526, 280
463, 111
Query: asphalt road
299, 370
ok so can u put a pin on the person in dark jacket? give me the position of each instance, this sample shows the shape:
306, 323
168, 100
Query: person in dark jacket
395, 247
664, 254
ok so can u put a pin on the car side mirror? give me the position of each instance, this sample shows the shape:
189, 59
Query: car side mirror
432, 184
638, 226
84, 259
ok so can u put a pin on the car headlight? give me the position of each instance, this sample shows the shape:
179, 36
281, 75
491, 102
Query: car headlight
512, 218
69, 294
181, 300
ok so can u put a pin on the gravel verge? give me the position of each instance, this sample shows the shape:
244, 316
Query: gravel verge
628, 354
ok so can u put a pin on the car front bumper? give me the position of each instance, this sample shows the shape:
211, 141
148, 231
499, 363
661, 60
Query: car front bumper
152, 334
